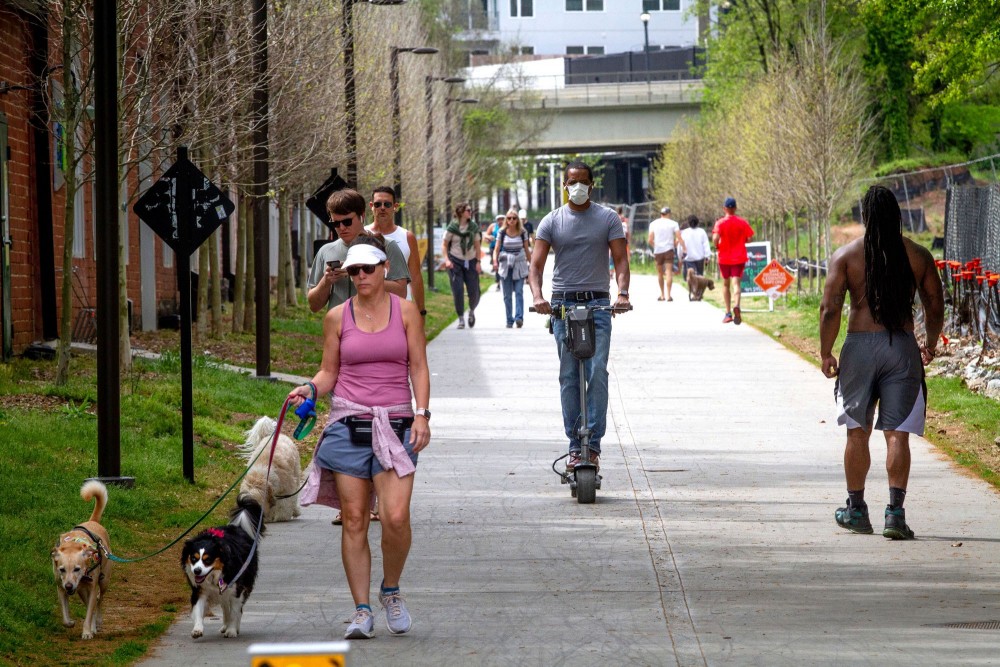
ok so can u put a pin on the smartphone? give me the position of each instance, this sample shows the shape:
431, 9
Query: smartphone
333, 264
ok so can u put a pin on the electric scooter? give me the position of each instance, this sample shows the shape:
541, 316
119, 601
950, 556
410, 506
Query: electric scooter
584, 479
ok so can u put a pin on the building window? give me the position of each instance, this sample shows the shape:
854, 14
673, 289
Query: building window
595, 50
522, 8
574, 50
584, 5
527, 50
661, 5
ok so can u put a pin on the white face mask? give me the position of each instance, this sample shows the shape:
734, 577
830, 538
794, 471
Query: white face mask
579, 193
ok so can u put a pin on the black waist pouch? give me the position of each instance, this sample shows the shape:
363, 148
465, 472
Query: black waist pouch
361, 429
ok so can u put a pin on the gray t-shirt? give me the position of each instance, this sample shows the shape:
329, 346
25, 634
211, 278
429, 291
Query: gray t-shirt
580, 241
343, 289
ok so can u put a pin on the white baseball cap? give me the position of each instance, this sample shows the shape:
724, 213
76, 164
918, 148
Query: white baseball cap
363, 254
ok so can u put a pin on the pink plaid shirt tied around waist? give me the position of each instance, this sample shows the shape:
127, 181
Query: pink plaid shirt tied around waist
320, 487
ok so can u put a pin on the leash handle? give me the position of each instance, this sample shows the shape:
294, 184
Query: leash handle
307, 418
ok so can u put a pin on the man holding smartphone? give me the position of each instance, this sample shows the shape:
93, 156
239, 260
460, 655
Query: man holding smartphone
329, 285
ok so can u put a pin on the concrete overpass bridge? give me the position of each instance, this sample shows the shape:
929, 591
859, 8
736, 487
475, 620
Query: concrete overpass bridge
607, 117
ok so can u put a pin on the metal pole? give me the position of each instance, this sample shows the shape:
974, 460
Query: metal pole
645, 27
347, 29
397, 164
262, 241
106, 177
184, 217
428, 91
447, 157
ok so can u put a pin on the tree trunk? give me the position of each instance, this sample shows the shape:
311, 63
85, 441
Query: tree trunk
291, 299
216, 271
204, 278
795, 230
304, 246
124, 342
249, 309
284, 251
69, 124
239, 269
812, 252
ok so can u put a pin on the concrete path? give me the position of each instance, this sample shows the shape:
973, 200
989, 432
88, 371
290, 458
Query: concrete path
712, 541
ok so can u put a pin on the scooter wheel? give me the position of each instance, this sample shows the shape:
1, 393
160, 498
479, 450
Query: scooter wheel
586, 485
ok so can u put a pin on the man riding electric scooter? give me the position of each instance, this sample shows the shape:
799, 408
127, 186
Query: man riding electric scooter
581, 233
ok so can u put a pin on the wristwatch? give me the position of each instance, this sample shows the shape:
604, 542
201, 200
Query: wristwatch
423, 412
623, 293
423, 313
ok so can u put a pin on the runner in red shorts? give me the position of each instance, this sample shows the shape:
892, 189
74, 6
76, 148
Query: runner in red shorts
730, 236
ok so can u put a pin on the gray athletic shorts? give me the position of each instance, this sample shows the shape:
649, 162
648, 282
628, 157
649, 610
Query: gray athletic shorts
339, 454
892, 375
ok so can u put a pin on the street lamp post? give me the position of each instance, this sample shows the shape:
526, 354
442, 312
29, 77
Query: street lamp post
644, 17
397, 175
350, 125
428, 101
447, 143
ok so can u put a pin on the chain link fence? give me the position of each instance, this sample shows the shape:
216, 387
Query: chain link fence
972, 224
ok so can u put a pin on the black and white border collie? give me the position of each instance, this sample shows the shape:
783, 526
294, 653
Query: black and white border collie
213, 558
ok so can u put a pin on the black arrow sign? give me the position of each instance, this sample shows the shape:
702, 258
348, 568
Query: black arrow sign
317, 201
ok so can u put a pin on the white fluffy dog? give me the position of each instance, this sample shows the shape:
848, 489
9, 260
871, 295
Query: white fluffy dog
286, 472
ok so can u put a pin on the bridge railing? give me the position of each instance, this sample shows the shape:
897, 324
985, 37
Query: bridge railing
570, 90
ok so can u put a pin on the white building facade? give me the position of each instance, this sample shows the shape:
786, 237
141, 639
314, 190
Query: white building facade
589, 27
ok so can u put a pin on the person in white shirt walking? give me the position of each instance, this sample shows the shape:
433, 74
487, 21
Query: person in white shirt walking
383, 205
664, 239
696, 246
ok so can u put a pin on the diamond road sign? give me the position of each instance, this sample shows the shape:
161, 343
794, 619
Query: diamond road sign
157, 208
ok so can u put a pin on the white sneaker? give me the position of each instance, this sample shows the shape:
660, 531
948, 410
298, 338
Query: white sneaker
362, 625
461, 321
397, 618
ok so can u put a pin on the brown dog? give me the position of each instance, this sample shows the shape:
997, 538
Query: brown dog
697, 285
80, 564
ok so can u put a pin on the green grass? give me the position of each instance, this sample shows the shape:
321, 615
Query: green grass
51, 447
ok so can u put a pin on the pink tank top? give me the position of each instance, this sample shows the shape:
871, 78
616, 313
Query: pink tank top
374, 367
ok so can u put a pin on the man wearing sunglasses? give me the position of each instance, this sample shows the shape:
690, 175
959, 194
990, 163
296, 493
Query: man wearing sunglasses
383, 205
329, 285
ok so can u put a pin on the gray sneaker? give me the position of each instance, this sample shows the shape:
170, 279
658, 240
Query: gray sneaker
461, 321
397, 618
362, 625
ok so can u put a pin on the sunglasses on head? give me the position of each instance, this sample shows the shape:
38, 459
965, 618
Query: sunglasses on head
353, 271
382, 204
346, 222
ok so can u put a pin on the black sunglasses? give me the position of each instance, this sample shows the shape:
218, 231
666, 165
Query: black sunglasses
511, 217
382, 204
353, 271
346, 222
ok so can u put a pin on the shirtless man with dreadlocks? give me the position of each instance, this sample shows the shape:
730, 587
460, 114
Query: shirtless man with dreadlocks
881, 361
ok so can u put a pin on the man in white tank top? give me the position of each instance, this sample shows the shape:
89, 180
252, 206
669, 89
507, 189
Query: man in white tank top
383, 205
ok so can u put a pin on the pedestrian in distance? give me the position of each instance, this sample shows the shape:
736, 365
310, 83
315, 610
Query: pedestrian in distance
510, 260
581, 233
881, 361
384, 206
374, 349
463, 252
696, 246
492, 232
528, 227
329, 285
730, 235
665, 240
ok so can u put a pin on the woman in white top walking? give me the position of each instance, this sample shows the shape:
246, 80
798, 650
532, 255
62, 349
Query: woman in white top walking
510, 260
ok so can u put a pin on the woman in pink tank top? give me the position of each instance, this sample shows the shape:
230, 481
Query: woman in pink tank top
374, 348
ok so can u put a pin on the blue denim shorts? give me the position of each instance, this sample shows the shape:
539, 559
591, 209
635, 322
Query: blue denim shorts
337, 453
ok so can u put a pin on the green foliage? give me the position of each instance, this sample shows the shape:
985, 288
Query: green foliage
971, 127
906, 164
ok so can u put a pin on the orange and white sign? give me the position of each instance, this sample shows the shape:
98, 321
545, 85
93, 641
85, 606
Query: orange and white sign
774, 279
